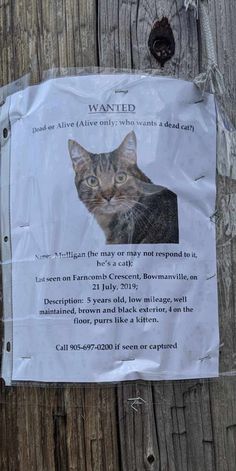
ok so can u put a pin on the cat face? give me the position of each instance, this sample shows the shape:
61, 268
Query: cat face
110, 182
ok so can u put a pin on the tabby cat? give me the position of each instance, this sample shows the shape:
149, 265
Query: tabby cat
128, 207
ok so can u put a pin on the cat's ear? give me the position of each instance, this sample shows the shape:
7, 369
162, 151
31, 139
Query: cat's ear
127, 149
78, 154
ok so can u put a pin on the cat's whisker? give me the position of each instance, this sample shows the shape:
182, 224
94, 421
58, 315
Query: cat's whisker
143, 220
140, 204
125, 204
135, 213
136, 221
89, 200
130, 207
134, 202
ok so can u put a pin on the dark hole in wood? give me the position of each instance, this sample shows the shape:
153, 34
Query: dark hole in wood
5, 133
5, 239
8, 347
150, 459
161, 41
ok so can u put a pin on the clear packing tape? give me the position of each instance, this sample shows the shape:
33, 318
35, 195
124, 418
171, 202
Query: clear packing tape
212, 76
107, 351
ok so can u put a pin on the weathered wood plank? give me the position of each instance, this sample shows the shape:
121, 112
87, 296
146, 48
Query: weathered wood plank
222, 14
181, 426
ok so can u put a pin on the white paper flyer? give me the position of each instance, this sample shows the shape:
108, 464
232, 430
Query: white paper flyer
112, 197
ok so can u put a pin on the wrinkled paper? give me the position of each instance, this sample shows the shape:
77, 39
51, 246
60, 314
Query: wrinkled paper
112, 202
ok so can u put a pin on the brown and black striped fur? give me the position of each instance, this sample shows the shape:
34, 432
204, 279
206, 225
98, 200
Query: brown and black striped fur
126, 204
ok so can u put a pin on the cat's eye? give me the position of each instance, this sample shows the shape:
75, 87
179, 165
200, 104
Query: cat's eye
121, 177
92, 181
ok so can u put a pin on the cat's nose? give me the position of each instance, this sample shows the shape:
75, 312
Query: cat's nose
107, 196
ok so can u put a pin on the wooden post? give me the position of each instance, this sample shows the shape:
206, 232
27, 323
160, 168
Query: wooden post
175, 426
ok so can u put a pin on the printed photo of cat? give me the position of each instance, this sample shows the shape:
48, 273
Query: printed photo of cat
128, 207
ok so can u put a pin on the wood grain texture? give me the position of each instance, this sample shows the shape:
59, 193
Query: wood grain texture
179, 426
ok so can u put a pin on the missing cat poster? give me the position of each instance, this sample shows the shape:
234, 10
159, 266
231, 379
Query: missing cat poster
110, 256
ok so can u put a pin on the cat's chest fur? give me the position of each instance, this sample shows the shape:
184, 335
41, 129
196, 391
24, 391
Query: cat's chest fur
118, 228
153, 219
